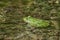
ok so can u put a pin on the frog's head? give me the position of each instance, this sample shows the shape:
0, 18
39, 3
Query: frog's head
26, 19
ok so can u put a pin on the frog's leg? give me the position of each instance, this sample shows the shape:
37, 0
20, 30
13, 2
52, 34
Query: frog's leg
28, 25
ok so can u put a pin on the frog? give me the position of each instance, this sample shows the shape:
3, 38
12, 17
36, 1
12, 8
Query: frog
32, 21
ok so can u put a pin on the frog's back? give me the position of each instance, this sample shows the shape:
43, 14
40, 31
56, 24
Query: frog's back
41, 23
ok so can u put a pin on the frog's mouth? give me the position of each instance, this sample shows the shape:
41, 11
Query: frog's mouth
26, 20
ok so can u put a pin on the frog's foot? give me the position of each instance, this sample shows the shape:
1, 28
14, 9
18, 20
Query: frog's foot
29, 27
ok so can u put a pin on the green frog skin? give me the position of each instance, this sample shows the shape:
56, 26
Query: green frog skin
36, 22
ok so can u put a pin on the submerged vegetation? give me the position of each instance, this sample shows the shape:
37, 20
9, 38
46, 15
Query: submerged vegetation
14, 27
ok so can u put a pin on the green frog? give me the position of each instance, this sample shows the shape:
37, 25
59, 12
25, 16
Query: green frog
36, 22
